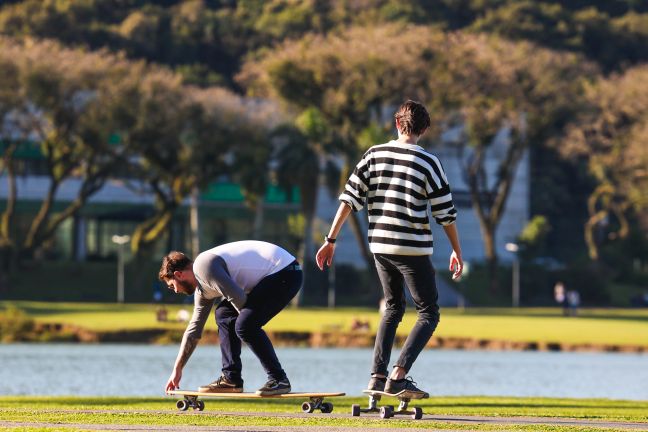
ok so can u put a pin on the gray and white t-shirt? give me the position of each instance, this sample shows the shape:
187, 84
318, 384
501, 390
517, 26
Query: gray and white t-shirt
230, 271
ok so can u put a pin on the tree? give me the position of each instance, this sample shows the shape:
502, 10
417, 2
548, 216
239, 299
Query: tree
487, 85
348, 79
482, 84
611, 137
60, 100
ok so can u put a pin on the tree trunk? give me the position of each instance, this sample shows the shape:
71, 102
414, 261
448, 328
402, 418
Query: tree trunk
489, 205
488, 234
6, 220
40, 220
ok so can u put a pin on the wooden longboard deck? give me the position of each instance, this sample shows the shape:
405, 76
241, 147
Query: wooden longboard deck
405, 394
251, 395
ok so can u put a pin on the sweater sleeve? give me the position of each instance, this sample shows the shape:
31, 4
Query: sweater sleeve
355, 189
218, 277
202, 307
440, 197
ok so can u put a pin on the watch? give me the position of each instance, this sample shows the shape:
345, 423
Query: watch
329, 239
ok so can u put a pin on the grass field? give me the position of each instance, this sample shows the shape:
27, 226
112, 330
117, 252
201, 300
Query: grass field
596, 326
161, 411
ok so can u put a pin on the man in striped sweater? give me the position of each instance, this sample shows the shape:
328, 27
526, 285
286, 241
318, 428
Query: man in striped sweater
397, 182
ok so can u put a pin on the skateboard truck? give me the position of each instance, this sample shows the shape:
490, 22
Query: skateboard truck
190, 402
317, 403
387, 411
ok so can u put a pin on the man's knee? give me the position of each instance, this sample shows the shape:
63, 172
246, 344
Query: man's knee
225, 322
431, 317
394, 311
244, 329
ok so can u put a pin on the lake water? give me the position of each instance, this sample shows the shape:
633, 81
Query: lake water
142, 370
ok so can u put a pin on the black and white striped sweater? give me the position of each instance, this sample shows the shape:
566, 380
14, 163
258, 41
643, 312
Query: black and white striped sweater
398, 182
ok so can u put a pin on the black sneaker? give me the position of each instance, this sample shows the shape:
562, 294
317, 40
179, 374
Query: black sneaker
376, 384
274, 387
222, 385
405, 384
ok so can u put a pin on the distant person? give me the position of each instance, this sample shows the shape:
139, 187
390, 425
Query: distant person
573, 302
249, 282
399, 181
560, 296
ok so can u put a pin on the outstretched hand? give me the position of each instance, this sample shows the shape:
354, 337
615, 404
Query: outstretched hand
456, 265
174, 381
325, 255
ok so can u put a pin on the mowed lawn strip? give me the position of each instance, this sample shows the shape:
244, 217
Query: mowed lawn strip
592, 409
54, 420
595, 326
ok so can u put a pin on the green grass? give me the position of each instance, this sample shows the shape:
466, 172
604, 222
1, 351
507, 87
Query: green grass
596, 326
161, 411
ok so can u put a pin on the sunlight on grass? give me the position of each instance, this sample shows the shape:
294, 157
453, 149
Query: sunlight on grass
597, 326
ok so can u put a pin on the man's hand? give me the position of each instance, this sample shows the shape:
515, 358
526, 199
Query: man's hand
456, 265
325, 255
174, 380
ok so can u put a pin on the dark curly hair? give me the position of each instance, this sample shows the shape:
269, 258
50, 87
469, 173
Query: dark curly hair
174, 261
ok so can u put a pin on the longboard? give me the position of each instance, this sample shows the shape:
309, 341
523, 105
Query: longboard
404, 397
190, 399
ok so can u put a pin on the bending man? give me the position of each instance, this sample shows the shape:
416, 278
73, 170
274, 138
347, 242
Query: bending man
250, 282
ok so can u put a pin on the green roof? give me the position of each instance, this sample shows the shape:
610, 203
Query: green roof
25, 150
232, 192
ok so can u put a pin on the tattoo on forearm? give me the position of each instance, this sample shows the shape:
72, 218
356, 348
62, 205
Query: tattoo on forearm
188, 346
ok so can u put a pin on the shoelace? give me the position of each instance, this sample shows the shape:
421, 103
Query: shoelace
410, 382
275, 383
221, 380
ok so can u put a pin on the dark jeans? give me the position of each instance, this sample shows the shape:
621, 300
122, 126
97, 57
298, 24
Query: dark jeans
267, 299
417, 272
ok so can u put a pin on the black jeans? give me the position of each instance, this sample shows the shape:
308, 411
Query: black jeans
418, 273
267, 299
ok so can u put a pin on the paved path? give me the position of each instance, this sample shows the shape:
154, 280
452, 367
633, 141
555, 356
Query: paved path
458, 419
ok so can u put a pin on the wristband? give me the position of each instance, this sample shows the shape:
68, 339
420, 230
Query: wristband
328, 239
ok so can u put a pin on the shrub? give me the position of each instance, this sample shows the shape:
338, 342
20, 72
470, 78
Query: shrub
15, 325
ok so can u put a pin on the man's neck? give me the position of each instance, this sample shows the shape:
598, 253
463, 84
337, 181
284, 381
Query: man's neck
408, 139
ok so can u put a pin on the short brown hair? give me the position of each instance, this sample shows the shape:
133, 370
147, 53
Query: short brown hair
174, 261
413, 118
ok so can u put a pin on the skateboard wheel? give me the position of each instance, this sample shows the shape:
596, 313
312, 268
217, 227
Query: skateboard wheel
418, 413
308, 407
327, 407
386, 411
200, 405
182, 405
355, 410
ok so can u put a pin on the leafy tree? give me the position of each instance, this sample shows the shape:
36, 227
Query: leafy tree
349, 78
488, 85
611, 138
60, 98
482, 84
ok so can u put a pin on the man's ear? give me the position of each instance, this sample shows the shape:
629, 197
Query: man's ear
398, 125
177, 274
